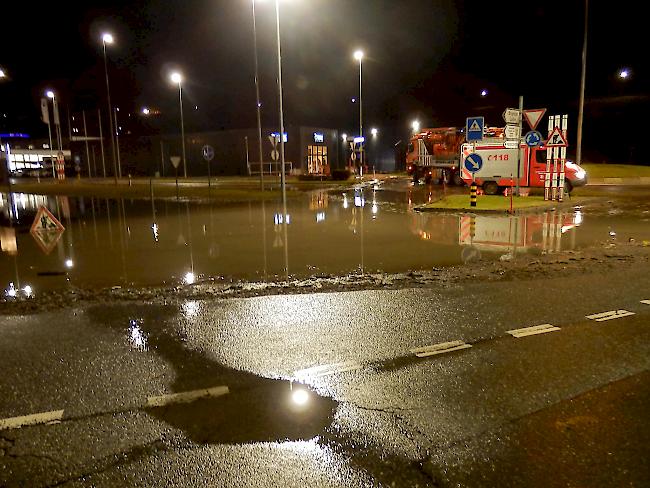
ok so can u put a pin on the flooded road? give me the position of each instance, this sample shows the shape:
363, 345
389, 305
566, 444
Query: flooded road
124, 242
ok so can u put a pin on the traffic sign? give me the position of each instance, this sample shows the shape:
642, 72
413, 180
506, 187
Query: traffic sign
511, 144
513, 132
208, 153
354, 156
533, 138
275, 155
474, 128
533, 116
176, 160
274, 141
557, 139
473, 163
511, 115
46, 230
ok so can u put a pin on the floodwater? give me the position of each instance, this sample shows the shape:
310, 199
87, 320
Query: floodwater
124, 242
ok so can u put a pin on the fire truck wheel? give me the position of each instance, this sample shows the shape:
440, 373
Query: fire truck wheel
458, 180
427, 179
490, 188
568, 187
416, 178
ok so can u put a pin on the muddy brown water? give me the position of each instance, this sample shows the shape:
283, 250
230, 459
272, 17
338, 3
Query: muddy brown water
124, 242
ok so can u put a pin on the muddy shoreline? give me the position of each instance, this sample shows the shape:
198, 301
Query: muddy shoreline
602, 257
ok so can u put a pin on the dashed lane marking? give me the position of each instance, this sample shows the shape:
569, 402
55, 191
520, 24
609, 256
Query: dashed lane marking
612, 314
33, 419
327, 370
647, 302
529, 331
443, 347
186, 397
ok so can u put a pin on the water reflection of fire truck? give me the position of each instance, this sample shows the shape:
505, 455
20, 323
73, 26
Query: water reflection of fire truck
498, 233
501, 233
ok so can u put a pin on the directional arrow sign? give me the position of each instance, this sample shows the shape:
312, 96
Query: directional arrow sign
533, 116
511, 115
473, 163
557, 139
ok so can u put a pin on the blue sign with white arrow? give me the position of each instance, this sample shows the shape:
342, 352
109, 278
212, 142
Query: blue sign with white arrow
533, 138
474, 128
473, 163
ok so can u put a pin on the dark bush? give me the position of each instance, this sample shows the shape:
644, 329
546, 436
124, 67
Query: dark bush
340, 174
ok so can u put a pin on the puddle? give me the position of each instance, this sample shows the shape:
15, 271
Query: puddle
256, 409
123, 243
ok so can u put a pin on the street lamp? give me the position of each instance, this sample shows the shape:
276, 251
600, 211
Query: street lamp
2, 73
108, 39
146, 111
484, 93
257, 93
624, 74
177, 78
50, 94
374, 132
358, 55
415, 125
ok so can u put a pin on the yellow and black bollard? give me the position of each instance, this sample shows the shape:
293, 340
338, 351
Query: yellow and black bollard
472, 194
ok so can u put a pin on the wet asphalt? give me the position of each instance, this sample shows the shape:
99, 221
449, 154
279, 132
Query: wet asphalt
564, 408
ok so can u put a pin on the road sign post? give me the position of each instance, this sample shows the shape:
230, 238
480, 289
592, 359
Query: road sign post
473, 163
208, 155
175, 160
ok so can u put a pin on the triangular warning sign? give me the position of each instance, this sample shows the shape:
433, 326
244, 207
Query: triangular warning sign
556, 139
45, 221
475, 127
533, 116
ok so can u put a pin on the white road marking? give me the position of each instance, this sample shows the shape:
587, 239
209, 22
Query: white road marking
612, 314
327, 370
647, 302
187, 396
534, 330
443, 347
34, 419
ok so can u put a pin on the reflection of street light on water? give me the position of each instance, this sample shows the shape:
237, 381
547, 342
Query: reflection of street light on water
69, 263
189, 278
300, 397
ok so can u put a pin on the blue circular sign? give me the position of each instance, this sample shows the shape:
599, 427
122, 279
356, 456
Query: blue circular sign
533, 138
208, 153
473, 163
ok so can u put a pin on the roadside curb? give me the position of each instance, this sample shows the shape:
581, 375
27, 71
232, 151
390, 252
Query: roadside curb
516, 211
638, 180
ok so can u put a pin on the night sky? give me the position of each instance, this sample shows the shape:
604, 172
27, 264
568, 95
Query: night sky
424, 59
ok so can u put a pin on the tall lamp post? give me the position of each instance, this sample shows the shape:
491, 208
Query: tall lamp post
581, 103
358, 55
108, 39
50, 94
257, 93
177, 78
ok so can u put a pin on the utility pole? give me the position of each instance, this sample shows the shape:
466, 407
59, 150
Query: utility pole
583, 80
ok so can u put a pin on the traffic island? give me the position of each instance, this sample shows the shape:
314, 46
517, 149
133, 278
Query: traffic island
495, 204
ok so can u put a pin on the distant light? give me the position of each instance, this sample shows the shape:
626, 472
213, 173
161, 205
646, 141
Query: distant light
69, 263
146, 111
176, 77
358, 55
259, 104
11, 291
196, 107
484, 93
416, 125
300, 397
354, 100
28, 290
107, 38
154, 229
344, 136
374, 132
2, 73
189, 278
624, 73
320, 217
50, 94
375, 208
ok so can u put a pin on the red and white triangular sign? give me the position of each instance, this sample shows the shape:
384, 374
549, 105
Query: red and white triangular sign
533, 116
45, 221
556, 139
